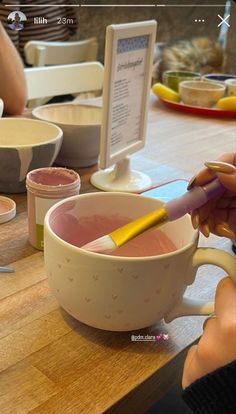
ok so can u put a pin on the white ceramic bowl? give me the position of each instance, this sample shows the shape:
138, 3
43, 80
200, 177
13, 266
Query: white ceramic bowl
25, 144
1, 107
81, 125
217, 77
231, 87
201, 93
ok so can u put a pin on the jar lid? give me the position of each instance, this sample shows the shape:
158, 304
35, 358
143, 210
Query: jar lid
7, 209
55, 180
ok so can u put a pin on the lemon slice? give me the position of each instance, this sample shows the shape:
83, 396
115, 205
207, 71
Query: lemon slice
227, 104
165, 93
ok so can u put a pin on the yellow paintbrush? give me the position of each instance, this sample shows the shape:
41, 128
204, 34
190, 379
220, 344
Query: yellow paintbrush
170, 211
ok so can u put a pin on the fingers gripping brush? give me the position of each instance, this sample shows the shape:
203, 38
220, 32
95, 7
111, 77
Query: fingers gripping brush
170, 211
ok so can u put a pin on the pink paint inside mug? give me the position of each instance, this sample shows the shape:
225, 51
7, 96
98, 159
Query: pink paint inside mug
82, 230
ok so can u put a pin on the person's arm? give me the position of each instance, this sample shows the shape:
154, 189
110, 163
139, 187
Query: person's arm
215, 393
13, 90
209, 376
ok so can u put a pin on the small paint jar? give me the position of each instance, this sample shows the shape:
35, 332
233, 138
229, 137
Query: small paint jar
7, 209
45, 187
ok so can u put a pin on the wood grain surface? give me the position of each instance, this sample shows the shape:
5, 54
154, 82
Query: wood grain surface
51, 363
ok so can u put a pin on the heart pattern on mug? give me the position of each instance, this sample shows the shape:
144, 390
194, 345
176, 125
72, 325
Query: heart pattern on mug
95, 277
71, 279
120, 269
120, 311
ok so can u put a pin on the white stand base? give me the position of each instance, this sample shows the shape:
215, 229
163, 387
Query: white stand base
121, 178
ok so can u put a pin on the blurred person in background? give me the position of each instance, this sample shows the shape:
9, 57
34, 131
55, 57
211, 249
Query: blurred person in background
54, 30
13, 89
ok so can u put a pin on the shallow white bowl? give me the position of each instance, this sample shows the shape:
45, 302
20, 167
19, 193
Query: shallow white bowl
201, 93
25, 144
81, 125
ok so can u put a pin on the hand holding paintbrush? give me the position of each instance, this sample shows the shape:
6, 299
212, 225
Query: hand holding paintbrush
170, 211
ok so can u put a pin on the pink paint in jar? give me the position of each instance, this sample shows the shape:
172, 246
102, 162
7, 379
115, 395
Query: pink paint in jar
45, 187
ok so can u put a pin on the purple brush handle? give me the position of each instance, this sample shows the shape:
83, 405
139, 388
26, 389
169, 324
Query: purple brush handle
193, 199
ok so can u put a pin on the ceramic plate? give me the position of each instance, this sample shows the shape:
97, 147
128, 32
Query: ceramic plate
198, 110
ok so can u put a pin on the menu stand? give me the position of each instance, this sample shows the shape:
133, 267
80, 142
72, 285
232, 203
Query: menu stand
126, 92
121, 178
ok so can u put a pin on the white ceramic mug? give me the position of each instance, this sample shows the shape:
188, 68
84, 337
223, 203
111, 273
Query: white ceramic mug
124, 293
1, 107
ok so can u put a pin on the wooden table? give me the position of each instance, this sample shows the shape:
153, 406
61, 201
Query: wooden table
51, 363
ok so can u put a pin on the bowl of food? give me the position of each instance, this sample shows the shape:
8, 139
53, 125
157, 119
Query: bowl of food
81, 125
25, 144
200, 93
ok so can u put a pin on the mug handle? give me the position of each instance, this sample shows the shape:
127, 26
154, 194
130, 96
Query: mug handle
203, 255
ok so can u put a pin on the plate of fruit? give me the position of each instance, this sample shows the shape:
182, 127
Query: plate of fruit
196, 97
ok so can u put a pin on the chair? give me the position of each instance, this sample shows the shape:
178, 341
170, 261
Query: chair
40, 53
48, 81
